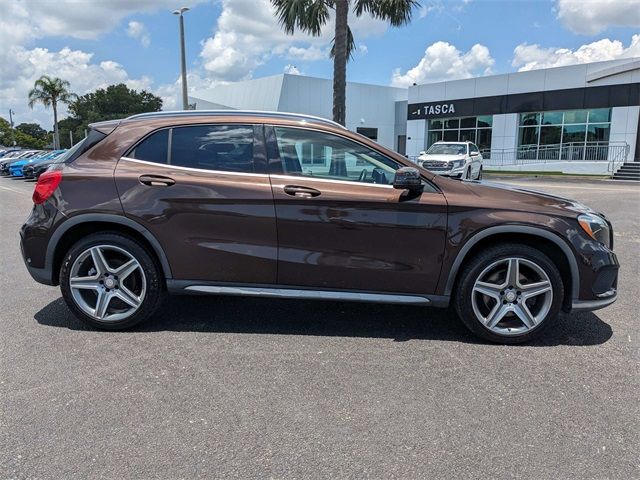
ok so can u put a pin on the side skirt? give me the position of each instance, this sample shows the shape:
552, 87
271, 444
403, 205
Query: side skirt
186, 287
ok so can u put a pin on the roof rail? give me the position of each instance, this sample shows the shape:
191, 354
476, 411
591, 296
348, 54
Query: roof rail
257, 113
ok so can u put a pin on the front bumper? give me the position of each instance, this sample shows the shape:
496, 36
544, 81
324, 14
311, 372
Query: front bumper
591, 305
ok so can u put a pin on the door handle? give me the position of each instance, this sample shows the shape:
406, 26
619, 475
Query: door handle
301, 192
156, 180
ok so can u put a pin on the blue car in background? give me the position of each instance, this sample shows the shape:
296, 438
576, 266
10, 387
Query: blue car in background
15, 169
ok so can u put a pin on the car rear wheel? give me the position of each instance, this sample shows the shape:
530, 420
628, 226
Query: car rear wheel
110, 281
480, 174
509, 293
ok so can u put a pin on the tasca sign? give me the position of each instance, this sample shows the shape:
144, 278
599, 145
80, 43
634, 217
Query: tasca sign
434, 110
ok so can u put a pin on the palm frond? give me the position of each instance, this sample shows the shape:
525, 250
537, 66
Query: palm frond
351, 45
396, 12
306, 15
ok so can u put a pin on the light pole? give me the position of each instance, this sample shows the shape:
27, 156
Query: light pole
183, 62
13, 138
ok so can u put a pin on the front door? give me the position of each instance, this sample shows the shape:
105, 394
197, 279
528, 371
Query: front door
342, 225
203, 192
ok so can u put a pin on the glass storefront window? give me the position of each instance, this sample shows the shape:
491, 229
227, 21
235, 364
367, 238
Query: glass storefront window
598, 132
550, 135
485, 121
467, 129
468, 135
575, 116
529, 119
469, 122
600, 115
451, 136
451, 123
528, 136
574, 134
552, 118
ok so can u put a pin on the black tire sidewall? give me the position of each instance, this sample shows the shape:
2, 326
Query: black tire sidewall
154, 288
474, 268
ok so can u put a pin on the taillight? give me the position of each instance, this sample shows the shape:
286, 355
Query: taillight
47, 184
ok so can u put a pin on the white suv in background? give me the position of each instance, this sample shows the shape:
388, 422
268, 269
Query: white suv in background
453, 159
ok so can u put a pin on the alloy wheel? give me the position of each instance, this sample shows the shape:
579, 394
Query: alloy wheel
107, 283
512, 296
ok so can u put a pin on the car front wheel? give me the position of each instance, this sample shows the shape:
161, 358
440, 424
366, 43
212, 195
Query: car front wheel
509, 293
110, 281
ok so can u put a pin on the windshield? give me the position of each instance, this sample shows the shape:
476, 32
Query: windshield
447, 149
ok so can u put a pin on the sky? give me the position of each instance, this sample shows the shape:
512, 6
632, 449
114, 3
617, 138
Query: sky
95, 43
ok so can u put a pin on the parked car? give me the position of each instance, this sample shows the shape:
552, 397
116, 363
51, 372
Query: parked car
16, 168
292, 206
6, 163
453, 159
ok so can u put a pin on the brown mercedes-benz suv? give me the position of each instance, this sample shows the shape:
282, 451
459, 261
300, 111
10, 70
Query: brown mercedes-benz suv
287, 205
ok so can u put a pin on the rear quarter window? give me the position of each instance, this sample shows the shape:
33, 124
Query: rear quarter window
154, 148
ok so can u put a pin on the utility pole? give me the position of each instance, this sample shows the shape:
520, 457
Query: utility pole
183, 61
13, 136
70, 139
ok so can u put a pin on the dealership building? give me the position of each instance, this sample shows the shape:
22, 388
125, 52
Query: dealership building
575, 119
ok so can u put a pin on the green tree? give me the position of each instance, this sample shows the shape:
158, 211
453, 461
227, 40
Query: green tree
69, 127
113, 102
22, 139
116, 101
311, 15
34, 130
50, 92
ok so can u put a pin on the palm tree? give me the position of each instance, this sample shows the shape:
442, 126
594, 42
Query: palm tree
311, 15
50, 92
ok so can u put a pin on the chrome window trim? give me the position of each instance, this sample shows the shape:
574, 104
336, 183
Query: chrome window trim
191, 169
279, 176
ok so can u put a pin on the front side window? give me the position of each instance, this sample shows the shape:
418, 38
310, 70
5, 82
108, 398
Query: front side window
321, 155
225, 148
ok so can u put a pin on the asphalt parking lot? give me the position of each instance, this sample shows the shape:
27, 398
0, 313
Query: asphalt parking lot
246, 388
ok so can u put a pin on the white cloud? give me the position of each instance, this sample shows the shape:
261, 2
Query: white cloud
292, 70
532, 57
78, 19
138, 31
363, 49
248, 35
443, 61
590, 17
17, 78
308, 54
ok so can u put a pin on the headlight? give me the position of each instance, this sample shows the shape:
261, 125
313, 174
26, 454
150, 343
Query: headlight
596, 227
457, 163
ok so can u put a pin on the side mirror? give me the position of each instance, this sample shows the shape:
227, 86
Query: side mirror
407, 178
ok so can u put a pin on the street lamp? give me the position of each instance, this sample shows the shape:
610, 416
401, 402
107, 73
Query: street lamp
185, 102
13, 138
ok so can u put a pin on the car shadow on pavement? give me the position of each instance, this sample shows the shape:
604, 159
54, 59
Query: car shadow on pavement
319, 318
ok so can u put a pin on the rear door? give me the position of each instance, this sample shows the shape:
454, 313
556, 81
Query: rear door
204, 192
342, 225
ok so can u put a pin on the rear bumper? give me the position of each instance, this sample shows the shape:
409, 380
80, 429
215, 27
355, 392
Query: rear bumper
40, 275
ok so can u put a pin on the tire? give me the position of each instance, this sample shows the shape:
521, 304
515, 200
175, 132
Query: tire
524, 315
480, 174
132, 298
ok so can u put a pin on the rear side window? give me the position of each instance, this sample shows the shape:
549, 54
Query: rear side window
154, 148
226, 148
